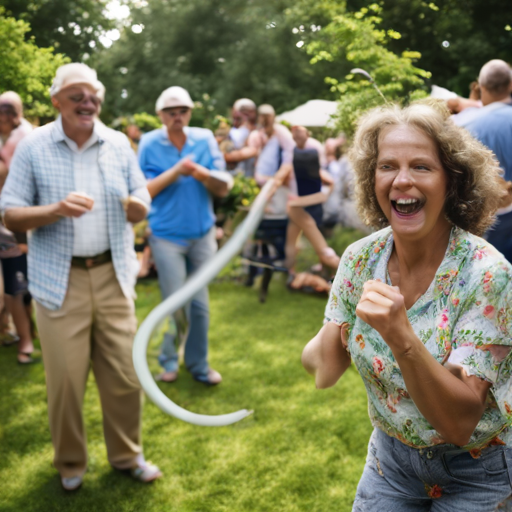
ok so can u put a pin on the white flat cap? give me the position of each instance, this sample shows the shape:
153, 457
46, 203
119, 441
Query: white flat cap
12, 98
244, 103
266, 109
174, 97
76, 73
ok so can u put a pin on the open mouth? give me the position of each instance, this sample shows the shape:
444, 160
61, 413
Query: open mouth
407, 206
85, 113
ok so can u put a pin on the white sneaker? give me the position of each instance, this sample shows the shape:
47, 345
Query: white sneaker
72, 483
146, 472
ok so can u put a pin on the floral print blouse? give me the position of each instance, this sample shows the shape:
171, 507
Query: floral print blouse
465, 311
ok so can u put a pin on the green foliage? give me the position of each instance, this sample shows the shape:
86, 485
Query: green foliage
73, 27
205, 114
241, 195
354, 40
454, 38
144, 121
25, 68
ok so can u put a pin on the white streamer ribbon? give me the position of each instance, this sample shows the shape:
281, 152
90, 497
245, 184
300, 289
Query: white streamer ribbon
177, 300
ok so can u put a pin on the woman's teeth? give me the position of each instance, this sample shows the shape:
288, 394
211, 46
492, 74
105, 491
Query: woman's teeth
406, 206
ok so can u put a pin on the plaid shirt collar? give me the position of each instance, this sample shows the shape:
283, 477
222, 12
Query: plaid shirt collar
59, 135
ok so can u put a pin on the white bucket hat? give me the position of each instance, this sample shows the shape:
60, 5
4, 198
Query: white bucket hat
77, 73
174, 97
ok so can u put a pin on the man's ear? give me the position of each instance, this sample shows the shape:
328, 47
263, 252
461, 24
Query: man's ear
55, 102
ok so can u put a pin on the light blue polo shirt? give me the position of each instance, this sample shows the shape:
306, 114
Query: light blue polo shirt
494, 129
183, 210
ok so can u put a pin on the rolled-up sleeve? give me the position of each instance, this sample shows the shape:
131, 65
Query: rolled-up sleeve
137, 181
482, 335
19, 189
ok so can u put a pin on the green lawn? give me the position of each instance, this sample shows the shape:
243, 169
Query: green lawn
302, 449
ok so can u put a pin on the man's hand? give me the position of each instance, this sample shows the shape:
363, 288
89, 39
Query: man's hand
383, 307
136, 210
200, 173
185, 166
75, 205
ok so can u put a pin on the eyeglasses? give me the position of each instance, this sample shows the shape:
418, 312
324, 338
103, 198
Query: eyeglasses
7, 110
173, 112
80, 98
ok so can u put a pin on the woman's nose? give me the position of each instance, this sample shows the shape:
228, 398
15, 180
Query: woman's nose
403, 178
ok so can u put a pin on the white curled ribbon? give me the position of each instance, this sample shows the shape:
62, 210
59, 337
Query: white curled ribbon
177, 300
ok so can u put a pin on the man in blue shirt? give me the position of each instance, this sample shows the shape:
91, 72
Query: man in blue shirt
184, 168
493, 127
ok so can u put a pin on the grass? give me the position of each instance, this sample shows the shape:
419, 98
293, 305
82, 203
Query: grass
301, 450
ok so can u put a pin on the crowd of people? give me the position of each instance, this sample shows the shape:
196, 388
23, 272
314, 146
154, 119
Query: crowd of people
421, 305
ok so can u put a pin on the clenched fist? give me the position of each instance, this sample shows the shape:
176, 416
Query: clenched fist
383, 307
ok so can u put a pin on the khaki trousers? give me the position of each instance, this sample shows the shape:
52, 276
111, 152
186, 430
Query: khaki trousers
94, 327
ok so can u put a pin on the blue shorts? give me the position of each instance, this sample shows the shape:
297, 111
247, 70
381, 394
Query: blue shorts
317, 212
14, 271
444, 478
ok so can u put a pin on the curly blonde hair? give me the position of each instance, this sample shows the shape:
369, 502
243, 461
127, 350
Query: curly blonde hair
473, 189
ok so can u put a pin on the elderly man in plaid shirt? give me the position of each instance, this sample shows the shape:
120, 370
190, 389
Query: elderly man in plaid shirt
76, 184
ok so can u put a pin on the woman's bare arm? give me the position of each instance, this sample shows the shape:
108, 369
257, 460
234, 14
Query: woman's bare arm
325, 355
451, 401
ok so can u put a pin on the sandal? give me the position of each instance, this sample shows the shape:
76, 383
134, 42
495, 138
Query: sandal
29, 359
8, 339
169, 376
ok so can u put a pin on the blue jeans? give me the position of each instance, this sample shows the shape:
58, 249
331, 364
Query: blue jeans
398, 478
174, 264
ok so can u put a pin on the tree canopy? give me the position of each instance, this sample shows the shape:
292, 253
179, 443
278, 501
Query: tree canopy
225, 49
26, 68
263, 49
72, 27
455, 38
355, 40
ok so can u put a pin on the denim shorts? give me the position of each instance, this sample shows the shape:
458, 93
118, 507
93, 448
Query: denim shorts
444, 478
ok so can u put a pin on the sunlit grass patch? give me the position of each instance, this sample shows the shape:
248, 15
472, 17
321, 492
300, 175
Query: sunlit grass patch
302, 449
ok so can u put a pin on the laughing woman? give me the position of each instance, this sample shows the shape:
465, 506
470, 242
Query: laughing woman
422, 308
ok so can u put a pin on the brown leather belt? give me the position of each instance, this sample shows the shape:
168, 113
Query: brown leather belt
93, 261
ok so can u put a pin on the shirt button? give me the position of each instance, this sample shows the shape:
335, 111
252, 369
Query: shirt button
430, 454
